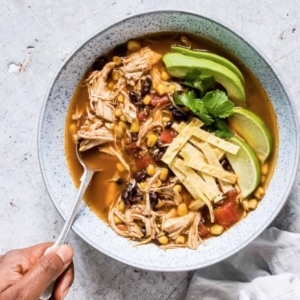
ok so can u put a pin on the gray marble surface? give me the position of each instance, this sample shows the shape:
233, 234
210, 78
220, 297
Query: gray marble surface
43, 33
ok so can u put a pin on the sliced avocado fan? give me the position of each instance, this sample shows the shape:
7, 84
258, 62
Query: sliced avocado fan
210, 56
178, 65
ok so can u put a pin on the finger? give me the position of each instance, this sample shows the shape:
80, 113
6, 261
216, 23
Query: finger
64, 283
47, 269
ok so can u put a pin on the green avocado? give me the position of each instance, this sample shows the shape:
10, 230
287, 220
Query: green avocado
210, 56
178, 65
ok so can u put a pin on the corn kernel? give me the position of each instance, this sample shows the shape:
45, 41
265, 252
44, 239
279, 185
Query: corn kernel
216, 229
147, 99
117, 60
121, 206
177, 188
265, 169
163, 240
123, 118
158, 183
259, 193
120, 167
111, 85
245, 205
143, 185
135, 126
151, 140
164, 174
120, 98
165, 76
180, 240
171, 88
117, 220
179, 198
110, 126
263, 178
133, 45
123, 125
119, 131
115, 75
182, 209
161, 89
151, 170
118, 112
252, 204
159, 204
172, 213
166, 119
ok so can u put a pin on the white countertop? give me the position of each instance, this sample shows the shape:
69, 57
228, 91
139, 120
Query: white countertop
47, 31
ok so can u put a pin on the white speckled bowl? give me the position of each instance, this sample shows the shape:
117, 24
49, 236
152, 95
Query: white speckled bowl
59, 182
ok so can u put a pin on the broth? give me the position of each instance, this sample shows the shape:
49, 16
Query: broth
102, 190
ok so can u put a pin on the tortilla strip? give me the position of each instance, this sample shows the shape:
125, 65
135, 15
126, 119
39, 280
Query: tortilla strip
194, 122
191, 187
195, 179
179, 127
178, 143
212, 170
212, 139
190, 151
212, 159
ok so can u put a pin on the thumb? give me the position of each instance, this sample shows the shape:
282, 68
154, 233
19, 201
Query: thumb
47, 269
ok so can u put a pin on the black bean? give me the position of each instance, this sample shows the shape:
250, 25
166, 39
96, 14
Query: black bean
153, 198
141, 176
178, 115
99, 63
143, 230
134, 137
171, 107
137, 198
146, 85
159, 154
139, 104
120, 51
133, 96
168, 125
125, 195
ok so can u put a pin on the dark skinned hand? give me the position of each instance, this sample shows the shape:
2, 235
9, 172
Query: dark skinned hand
26, 273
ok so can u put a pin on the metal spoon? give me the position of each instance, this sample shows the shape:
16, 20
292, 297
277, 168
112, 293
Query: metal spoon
85, 180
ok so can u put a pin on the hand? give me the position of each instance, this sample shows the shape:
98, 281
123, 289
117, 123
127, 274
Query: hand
26, 273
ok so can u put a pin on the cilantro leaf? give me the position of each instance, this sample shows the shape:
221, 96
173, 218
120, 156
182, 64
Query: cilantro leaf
200, 82
189, 100
222, 129
217, 104
200, 110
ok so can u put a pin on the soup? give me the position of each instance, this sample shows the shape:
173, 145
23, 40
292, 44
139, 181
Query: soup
183, 133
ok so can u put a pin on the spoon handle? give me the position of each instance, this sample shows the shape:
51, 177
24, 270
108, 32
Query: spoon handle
85, 180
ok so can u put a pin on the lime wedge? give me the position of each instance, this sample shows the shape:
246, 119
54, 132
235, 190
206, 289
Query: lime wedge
246, 166
253, 130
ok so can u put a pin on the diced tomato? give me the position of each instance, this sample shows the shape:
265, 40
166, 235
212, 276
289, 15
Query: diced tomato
168, 135
142, 116
202, 230
227, 214
133, 149
231, 196
160, 100
143, 162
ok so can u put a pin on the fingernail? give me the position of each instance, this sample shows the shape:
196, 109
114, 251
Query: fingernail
66, 253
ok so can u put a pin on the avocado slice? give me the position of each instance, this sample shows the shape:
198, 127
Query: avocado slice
210, 56
178, 65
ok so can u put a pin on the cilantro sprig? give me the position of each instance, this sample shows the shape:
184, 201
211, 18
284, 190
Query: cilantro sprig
211, 109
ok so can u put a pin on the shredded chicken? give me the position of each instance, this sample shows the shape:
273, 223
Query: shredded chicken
128, 109
138, 63
101, 97
148, 127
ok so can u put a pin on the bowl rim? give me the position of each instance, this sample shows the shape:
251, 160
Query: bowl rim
295, 118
